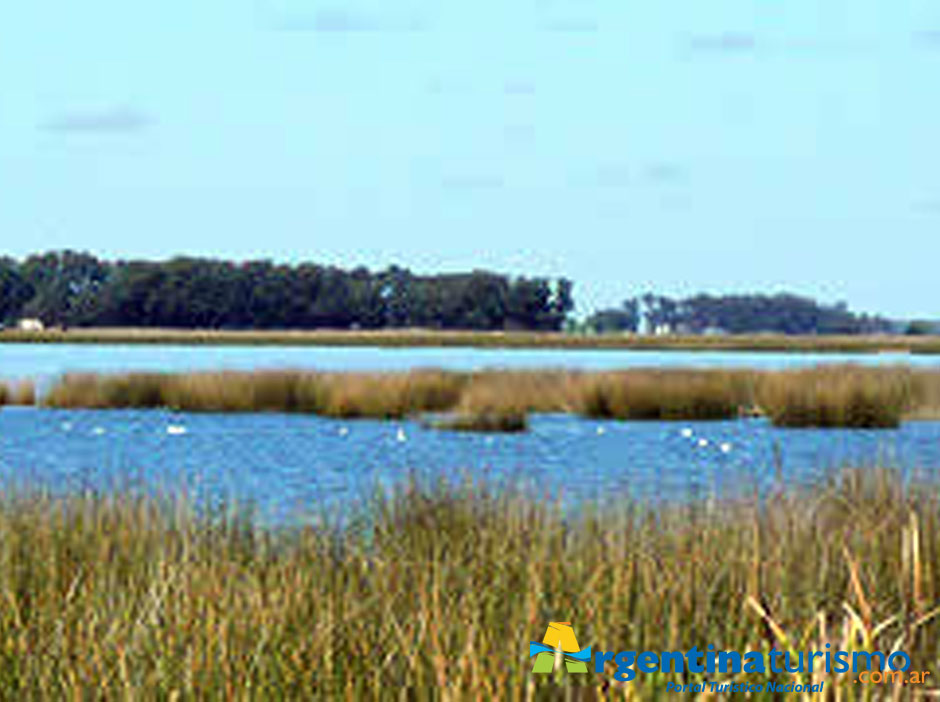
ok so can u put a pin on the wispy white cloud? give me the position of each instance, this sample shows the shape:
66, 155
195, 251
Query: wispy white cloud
113, 120
343, 20
664, 172
927, 207
816, 46
519, 87
929, 38
439, 85
722, 43
612, 175
472, 181
572, 25
621, 174
519, 133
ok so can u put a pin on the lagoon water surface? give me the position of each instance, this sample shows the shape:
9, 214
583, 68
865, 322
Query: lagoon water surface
44, 360
293, 466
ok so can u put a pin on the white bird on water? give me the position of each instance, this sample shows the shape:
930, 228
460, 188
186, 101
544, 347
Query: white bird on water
98, 431
601, 431
687, 433
703, 443
726, 447
343, 431
176, 430
400, 436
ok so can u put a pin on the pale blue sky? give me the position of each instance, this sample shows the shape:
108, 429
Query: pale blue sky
679, 146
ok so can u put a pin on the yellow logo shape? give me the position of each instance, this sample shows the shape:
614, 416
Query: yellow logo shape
560, 638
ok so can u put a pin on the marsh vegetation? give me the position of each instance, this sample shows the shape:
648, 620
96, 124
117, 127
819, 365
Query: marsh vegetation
441, 587
834, 396
21, 392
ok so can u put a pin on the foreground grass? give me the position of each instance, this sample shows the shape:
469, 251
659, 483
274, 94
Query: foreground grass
826, 396
439, 591
521, 339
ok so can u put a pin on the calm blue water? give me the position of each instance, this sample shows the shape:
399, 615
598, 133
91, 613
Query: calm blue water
290, 467
44, 360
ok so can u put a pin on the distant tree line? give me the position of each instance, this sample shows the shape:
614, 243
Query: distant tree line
76, 289
735, 314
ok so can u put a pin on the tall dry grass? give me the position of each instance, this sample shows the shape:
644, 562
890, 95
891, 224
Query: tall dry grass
231, 391
665, 394
502, 401
435, 592
925, 395
825, 396
335, 395
104, 391
844, 396
391, 395
21, 392
530, 391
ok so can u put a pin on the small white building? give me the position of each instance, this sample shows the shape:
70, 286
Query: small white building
30, 325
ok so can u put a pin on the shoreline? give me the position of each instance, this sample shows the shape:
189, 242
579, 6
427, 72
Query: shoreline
418, 338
